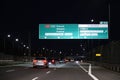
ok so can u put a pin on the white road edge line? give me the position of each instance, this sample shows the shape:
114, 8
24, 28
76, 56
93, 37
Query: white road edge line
35, 78
10, 70
83, 68
90, 73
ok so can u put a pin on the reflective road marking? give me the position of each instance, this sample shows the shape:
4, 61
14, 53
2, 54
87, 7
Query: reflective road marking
48, 72
35, 78
10, 70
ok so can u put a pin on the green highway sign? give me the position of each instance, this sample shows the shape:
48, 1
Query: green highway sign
73, 31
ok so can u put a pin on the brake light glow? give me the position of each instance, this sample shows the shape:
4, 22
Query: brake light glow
34, 61
44, 61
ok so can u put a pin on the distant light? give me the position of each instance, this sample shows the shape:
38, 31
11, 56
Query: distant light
24, 45
92, 20
77, 62
17, 40
27, 47
81, 45
9, 35
50, 50
43, 48
60, 52
83, 49
49, 63
98, 54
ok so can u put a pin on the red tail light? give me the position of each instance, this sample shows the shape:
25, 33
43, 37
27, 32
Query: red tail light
45, 61
34, 61
53, 61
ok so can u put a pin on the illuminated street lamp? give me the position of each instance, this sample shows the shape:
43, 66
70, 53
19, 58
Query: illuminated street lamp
83, 49
9, 35
60, 52
24, 45
92, 20
81, 45
17, 40
43, 48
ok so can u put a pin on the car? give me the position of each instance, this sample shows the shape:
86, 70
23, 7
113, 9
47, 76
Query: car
40, 62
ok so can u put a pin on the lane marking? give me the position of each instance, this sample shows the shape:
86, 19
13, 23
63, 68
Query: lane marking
48, 72
92, 76
10, 70
83, 68
90, 73
35, 78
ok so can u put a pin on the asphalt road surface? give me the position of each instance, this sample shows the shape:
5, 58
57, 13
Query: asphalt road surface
64, 71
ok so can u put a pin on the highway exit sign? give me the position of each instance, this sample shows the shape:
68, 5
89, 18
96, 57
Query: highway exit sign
73, 31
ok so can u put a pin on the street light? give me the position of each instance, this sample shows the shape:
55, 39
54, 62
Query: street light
17, 40
81, 45
92, 20
24, 45
43, 48
9, 35
83, 49
60, 52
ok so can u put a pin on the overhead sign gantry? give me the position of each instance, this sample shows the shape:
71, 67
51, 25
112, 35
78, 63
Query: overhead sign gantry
73, 31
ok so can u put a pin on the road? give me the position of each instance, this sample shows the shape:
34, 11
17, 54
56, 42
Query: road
68, 71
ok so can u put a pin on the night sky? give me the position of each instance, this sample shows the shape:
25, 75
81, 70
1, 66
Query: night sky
21, 18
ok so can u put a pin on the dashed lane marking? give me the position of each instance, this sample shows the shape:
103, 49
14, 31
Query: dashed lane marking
48, 72
10, 70
35, 78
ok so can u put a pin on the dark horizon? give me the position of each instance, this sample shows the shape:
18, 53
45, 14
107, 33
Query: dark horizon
21, 18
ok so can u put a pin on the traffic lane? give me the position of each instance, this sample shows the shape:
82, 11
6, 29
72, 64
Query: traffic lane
67, 74
70, 71
71, 65
23, 73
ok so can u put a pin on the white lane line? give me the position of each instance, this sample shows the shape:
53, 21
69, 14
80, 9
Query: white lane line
48, 72
10, 70
35, 78
90, 73
83, 68
92, 76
